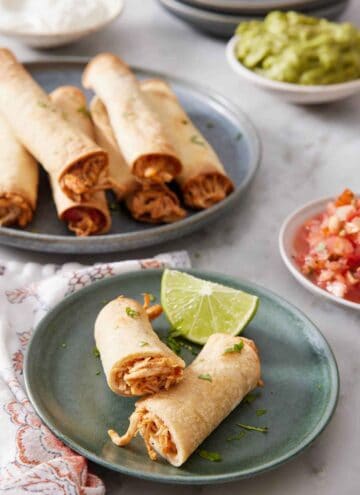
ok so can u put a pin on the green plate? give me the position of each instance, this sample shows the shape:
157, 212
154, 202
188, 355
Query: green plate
72, 398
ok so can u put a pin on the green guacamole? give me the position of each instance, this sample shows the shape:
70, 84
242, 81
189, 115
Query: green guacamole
299, 49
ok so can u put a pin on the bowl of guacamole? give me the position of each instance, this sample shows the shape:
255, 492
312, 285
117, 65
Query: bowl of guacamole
312, 60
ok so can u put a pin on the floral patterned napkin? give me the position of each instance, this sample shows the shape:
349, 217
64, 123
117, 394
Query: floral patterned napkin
32, 459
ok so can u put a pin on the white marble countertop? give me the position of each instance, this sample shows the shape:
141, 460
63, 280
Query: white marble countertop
307, 153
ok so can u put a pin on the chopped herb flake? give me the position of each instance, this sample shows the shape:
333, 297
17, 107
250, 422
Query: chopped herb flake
42, 104
238, 436
261, 412
114, 206
98, 373
64, 346
131, 312
143, 343
84, 111
176, 344
197, 140
210, 125
210, 456
96, 352
205, 376
249, 398
238, 136
260, 429
234, 348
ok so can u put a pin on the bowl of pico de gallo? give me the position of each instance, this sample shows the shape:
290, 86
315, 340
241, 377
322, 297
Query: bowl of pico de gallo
320, 245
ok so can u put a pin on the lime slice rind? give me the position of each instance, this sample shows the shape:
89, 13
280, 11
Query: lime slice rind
197, 308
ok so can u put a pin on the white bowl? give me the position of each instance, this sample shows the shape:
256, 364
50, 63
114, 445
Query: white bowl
60, 38
294, 93
287, 235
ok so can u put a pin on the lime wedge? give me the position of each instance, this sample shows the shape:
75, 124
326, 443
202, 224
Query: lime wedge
197, 308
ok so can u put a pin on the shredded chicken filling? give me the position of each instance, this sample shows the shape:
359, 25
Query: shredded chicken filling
14, 210
157, 168
206, 190
148, 375
152, 429
155, 205
83, 178
84, 221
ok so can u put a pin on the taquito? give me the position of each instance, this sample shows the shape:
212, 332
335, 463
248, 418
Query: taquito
134, 359
203, 179
19, 177
67, 155
137, 129
91, 216
147, 202
175, 422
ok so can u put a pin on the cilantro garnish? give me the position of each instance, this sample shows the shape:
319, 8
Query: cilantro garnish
205, 376
235, 348
210, 456
131, 312
260, 429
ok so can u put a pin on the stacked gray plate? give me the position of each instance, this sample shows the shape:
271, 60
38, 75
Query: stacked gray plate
221, 17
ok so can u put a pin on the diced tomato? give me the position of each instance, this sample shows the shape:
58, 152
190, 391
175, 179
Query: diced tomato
327, 247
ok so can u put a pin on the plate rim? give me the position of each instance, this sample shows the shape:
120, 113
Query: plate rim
150, 236
191, 479
179, 8
312, 206
249, 7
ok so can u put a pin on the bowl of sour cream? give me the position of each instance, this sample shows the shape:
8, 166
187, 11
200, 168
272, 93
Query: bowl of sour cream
52, 23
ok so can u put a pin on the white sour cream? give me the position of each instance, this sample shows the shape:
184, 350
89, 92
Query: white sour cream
53, 16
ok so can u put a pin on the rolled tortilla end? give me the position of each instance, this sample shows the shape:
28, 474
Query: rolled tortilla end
72, 158
203, 179
19, 177
175, 422
90, 216
206, 189
136, 127
155, 204
134, 359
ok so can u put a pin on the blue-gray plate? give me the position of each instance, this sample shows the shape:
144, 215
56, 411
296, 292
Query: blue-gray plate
225, 126
224, 24
67, 387
259, 7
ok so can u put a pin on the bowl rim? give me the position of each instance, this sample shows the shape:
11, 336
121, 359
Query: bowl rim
240, 69
117, 10
313, 206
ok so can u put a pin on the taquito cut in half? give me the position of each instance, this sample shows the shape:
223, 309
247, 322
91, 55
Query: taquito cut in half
91, 216
136, 127
19, 177
203, 179
173, 423
134, 359
67, 155
147, 201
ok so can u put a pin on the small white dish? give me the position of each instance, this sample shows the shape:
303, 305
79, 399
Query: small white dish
287, 234
60, 38
294, 93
